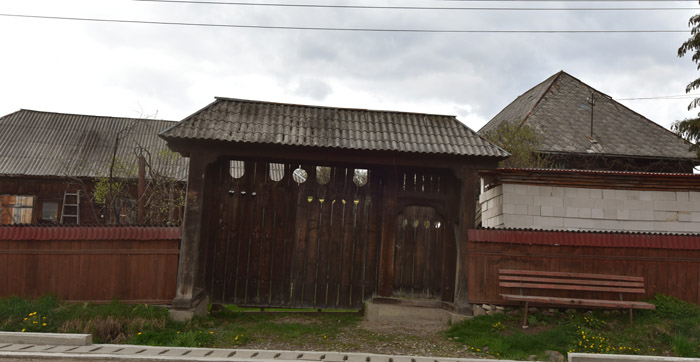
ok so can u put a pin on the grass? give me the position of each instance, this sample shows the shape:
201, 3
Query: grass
149, 325
673, 329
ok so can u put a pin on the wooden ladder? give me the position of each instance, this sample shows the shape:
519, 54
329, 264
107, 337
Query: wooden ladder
70, 206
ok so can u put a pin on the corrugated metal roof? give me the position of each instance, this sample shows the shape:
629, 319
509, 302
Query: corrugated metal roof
594, 172
34, 232
34, 143
558, 109
246, 121
588, 238
620, 180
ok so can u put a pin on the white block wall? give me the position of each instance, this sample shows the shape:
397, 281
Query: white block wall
568, 208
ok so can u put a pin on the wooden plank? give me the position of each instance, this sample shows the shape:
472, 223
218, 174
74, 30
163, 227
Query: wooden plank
574, 275
388, 237
571, 281
4, 265
216, 217
569, 287
579, 302
422, 240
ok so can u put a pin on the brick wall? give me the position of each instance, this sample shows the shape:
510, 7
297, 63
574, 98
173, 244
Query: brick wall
569, 208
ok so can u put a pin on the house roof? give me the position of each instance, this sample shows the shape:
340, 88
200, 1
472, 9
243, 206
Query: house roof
34, 143
255, 122
620, 180
558, 109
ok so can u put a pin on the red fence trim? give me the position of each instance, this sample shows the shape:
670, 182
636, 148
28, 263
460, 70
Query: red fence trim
598, 239
89, 233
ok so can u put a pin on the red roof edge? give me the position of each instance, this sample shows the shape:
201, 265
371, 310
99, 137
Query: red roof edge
37, 232
594, 239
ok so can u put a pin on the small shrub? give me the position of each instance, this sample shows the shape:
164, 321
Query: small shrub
671, 307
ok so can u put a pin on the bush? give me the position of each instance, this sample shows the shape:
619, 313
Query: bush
671, 307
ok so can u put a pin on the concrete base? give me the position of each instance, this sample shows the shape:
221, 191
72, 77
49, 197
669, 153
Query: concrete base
60, 339
587, 357
411, 312
199, 309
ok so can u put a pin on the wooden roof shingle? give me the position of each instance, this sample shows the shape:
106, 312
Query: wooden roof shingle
558, 109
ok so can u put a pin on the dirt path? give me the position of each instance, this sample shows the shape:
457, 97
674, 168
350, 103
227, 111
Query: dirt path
381, 337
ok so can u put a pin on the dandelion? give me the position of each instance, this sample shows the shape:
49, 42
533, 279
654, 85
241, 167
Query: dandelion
324, 337
211, 332
23, 329
43, 324
139, 333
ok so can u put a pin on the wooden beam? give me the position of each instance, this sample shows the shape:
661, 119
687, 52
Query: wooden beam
388, 242
188, 290
468, 178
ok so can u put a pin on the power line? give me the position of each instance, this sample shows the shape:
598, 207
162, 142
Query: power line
672, 97
211, 2
454, 31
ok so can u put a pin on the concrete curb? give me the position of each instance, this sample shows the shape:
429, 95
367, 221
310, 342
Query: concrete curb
60, 339
137, 353
589, 357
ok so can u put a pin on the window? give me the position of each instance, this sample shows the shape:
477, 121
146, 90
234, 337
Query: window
276, 171
299, 175
323, 174
16, 209
360, 177
236, 169
49, 211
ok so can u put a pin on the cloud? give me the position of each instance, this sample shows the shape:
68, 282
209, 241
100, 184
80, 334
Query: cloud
111, 68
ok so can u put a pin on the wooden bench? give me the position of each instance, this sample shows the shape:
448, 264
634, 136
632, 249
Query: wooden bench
562, 281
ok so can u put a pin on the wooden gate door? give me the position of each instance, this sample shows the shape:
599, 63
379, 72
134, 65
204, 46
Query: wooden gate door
425, 250
290, 235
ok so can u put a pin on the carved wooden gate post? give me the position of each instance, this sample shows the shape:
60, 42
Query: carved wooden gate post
190, 293
468, 178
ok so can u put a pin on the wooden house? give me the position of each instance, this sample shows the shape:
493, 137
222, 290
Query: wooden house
583, 128
50, 162
305, 206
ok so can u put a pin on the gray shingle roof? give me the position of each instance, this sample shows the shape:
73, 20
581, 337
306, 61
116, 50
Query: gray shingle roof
559, 110
236, 120
34, 143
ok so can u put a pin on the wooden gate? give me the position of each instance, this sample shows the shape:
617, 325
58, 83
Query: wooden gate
418, 266
425, 249
290, 235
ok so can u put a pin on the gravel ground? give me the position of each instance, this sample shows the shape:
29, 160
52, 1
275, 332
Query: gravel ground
381, 337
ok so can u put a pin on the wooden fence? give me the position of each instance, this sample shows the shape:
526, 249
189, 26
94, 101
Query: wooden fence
98, 264
670, 264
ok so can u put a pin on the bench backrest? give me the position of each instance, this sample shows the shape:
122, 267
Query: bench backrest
530, 279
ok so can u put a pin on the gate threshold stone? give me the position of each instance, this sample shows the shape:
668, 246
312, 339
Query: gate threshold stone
411, 313
60, 339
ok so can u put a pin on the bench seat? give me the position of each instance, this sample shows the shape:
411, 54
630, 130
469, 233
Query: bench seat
531, 281
576, 302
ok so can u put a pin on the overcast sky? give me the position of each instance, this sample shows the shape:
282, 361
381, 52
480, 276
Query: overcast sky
134, 70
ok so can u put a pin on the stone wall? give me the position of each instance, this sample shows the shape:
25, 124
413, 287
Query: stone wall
569, 208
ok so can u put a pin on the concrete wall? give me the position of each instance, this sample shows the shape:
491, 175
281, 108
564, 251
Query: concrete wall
568, 208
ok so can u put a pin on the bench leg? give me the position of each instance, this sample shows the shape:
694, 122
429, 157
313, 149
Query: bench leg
527, 304
631, 320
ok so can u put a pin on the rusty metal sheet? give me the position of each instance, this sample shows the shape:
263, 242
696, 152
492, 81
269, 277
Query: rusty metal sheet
23, 232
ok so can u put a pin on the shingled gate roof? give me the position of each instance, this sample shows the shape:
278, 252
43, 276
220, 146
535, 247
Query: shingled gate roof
34, 143
558, 109
255, 122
